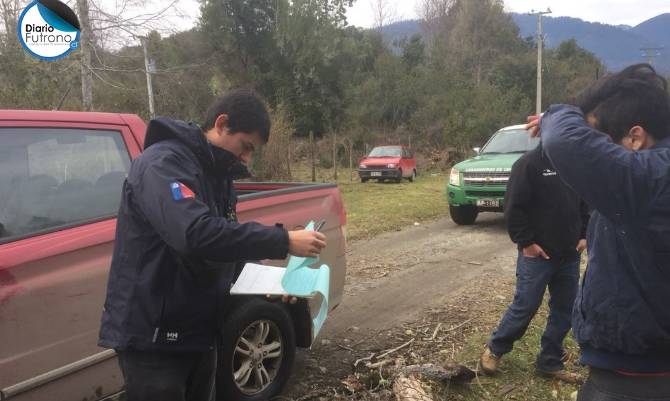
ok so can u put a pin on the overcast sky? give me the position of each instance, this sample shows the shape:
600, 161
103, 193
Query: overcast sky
614, 12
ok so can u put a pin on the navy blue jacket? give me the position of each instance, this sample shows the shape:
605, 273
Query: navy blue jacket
177, 241
541, 209
621, 317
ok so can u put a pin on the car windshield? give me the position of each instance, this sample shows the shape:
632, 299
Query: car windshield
510, 141
385, 152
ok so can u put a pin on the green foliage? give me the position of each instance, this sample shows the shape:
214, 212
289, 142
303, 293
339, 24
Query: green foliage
29, 83
468, 75
413, 51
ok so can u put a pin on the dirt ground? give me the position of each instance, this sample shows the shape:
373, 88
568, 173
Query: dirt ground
398, 286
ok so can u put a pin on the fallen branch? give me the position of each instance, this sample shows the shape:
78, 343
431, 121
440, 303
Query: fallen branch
367, 358
379, 364
435, 332
479, 383
345, 347
506, 390
389, 352
460, 325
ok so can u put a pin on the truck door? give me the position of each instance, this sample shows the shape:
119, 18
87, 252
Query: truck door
60, 189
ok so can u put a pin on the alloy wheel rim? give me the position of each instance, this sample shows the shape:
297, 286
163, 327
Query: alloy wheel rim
257, 357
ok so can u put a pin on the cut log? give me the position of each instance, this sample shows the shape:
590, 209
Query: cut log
409, 388
451, 373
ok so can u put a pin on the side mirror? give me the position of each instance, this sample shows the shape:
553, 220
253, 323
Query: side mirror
477, 150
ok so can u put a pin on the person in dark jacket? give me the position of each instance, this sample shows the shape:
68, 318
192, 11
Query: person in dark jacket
176, 248
613, 149
547, 221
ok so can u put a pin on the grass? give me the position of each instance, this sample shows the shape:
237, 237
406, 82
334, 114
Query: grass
374, 208
517, 379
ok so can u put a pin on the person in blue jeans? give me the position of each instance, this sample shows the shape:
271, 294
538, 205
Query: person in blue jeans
547, 221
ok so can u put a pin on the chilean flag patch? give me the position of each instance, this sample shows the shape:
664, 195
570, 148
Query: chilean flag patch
181, 191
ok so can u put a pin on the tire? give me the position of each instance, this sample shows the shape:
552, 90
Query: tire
264, 322
364, 180
463, 215
399, 179
412, 177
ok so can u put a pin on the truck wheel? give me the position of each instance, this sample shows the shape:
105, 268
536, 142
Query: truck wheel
412, 177
257, 352
364, 180
397, 180
463, 215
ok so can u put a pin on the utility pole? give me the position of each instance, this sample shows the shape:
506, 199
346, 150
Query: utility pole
149, 67
650, 53
540, 45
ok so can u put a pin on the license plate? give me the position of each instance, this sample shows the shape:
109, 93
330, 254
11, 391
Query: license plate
488, 202
376, 174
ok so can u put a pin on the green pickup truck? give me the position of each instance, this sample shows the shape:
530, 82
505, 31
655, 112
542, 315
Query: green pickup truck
478, 184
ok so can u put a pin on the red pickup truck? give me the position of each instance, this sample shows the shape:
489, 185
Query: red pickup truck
60, 180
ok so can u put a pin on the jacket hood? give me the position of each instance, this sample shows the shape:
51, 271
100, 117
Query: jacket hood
214, 159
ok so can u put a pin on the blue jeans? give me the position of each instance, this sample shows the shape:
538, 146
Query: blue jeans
533, 275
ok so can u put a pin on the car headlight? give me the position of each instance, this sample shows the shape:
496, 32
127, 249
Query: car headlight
390, 165
455, 177
362, 166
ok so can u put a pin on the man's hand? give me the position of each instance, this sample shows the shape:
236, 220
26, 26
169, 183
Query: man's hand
534, 251
533, 125
306, 243
581, 245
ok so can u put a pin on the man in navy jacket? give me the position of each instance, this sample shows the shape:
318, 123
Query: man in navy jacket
613, 149
177, 244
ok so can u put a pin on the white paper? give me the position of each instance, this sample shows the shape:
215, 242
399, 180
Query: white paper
258, 279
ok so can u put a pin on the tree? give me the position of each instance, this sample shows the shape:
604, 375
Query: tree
434, 15
10, 16
114, 26
242, 33
413, 51
480, 34
290, 51
87, 44
384, 13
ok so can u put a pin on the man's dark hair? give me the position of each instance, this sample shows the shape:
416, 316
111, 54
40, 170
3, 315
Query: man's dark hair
634, 96
246, 113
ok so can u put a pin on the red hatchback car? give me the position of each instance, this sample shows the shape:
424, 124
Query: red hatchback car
388, 163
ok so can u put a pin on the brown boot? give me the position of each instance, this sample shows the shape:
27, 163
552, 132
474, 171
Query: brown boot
489, 361
564, 376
